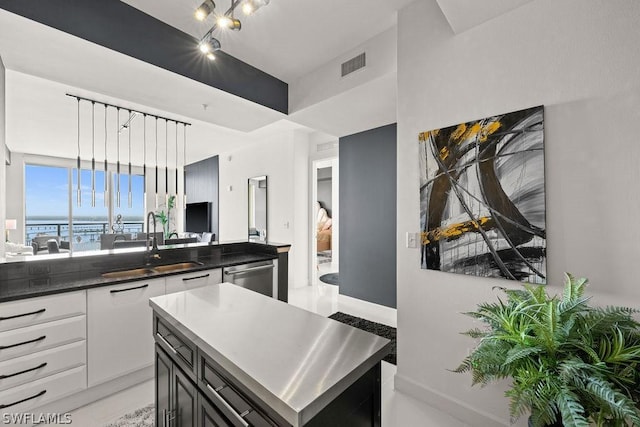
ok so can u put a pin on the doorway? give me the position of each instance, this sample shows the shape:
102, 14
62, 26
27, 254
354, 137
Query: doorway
324, 221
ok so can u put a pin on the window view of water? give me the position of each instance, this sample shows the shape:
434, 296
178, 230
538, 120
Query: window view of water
48, 209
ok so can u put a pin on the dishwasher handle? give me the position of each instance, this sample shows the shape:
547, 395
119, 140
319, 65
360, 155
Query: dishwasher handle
248, 270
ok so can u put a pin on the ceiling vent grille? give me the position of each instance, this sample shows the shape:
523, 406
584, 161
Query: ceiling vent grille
354, 64
326, 146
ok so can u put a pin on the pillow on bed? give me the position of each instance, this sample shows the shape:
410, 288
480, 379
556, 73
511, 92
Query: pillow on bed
327, 224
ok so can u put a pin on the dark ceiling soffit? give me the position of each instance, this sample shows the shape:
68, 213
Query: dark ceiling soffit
123, 28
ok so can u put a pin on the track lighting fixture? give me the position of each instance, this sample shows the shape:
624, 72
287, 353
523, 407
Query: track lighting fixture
205, 10
115, 191
250, 6
208, 44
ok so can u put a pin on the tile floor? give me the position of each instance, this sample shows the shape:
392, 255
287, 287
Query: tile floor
398, 409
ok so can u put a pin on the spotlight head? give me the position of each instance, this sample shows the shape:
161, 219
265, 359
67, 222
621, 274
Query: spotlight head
248, 8
211, 56
224, 21
205, 10
208, 46
236, 25
205, 46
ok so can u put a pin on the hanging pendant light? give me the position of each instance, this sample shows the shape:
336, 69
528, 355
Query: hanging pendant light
144, 159
130, 199
118, 159
166, 163
106, 180
93, 154
157, 204
79, 191
177, 162
184, 166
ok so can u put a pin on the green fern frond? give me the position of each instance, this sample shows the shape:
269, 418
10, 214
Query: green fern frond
570, 408
617, 403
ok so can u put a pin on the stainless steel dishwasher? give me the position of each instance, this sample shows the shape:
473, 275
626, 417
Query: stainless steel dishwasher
257, 276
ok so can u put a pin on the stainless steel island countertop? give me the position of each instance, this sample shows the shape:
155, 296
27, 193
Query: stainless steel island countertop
294, 360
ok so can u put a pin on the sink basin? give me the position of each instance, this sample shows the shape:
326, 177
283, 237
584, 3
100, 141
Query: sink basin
136, 272
176, 267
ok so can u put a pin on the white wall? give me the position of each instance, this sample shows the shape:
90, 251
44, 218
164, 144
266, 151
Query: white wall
580, 60
283, 159
3, 180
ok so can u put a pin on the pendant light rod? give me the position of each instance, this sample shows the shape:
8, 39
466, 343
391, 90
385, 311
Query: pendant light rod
93, 154
118, 159
106, 166
144, 157
79, 191
177, 191
79, 98
184, 167
130, 199
166, 159
156, 163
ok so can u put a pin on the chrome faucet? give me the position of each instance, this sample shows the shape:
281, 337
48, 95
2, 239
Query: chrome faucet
153, 252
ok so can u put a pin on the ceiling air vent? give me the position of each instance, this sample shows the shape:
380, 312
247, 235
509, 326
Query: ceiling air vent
354, 64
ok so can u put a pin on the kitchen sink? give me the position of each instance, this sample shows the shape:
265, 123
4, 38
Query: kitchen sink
176, 267
122, 274
144, 271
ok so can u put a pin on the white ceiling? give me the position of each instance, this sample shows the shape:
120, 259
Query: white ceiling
287, 38
465, 14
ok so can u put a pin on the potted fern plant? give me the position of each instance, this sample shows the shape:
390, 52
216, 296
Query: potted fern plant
570, 364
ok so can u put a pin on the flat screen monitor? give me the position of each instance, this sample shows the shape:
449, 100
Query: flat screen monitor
198, 217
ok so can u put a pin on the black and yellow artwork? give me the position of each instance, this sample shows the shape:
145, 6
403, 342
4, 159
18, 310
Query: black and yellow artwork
482, 202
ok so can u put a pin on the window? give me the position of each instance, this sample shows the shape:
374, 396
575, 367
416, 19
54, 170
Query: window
46, 201
51, 206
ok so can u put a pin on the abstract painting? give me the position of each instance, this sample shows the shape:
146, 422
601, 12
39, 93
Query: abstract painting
482, 202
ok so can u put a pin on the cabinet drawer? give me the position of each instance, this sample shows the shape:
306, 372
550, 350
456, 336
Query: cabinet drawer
19, 342
36, 393
18, 314
228, 399
197, 279
183, 351
119, 329
20, 370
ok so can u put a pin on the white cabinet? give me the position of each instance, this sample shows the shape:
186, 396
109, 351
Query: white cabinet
119, 328
183, 282
42, 350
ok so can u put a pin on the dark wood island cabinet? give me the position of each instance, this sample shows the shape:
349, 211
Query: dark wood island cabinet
226, 356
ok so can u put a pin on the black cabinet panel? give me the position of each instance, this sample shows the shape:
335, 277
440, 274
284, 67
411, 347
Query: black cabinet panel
184, 400
163, 387
210, 416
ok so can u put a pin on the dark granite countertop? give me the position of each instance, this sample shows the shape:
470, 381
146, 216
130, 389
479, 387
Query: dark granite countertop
39, 277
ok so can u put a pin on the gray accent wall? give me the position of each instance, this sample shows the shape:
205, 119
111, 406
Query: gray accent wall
368, 215
201, 180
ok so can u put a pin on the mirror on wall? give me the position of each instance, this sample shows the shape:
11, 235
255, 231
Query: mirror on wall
258, 208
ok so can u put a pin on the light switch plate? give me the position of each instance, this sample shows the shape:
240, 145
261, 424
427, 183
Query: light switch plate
412, 240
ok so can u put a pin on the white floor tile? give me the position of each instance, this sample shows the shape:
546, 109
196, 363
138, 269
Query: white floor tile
398, 409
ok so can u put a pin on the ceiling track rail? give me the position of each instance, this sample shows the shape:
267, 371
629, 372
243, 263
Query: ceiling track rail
131, 110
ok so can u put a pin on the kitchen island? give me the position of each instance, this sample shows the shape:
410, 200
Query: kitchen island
229, 356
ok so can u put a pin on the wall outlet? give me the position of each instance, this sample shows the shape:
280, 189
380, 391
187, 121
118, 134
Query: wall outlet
412, 240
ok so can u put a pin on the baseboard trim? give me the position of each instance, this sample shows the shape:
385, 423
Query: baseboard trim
388, 314
98, 392
448, 404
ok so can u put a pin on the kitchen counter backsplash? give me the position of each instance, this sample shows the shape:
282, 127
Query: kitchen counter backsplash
55, 274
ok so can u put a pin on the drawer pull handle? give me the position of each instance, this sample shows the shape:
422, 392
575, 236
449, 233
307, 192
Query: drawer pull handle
226, 405
115, 291
23, 400
173, 350
42, 310
248, 270
4, 347
15, 374
186, 279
